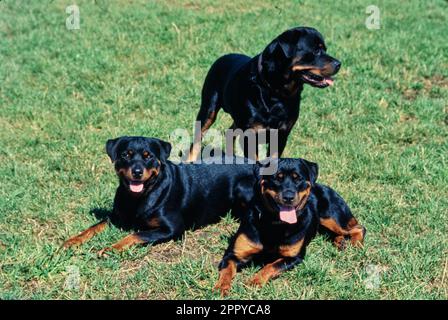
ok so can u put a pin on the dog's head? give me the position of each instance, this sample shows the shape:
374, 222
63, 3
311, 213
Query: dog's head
138, 161
286, 192
300, 54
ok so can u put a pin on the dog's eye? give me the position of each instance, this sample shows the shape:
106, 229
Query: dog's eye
295, 176
127, 154
280, 177
146, 155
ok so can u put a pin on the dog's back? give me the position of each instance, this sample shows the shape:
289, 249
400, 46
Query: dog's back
221, 73
209, 190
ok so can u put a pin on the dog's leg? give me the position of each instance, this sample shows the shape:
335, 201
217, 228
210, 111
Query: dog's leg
245, 145
239, 252
233, 127
86, 234
274, 269
206, 116
354, 231
282, 140
291, 254
142, 237
227, 271
357, 232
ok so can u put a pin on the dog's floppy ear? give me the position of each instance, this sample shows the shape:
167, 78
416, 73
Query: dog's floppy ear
111, 148
164, 149
285, 43
313, 170
277, 50
266, 167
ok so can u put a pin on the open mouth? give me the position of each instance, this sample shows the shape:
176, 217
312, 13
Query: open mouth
317, 80
136, 186
288, 213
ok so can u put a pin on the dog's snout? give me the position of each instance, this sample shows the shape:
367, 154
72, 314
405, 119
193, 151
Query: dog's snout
288, 196
137, 172
336, 65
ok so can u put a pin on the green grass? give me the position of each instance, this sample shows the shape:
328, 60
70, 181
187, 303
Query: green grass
137, 67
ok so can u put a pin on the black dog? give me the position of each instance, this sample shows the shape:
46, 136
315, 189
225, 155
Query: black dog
263, 92
285, 214
159, 199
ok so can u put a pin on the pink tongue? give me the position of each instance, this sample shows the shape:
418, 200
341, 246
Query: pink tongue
329, 81
136, 187
288, 214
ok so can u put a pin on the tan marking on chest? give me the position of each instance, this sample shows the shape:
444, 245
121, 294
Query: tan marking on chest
291, 250
244, 247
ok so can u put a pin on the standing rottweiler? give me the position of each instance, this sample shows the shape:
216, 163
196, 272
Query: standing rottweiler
286, 212
159, 199
263, 92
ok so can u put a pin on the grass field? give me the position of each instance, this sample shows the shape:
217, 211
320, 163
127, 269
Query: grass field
137, 67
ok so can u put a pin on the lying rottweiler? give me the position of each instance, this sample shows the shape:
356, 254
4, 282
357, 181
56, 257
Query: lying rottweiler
159, 199
263, 92
287, 211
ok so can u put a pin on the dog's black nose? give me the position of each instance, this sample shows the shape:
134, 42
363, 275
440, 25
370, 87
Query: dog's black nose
137, 172
336, 65
288, 197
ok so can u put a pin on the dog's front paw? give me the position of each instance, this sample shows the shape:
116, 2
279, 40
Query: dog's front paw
222, 287
104, 253
72, 242
257, 281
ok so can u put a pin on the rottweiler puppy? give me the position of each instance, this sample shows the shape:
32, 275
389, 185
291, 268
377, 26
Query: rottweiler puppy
159, 199
286, 212
263, 92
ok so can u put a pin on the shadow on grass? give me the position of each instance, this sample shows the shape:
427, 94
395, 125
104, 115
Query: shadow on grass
101, 213
107, 214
